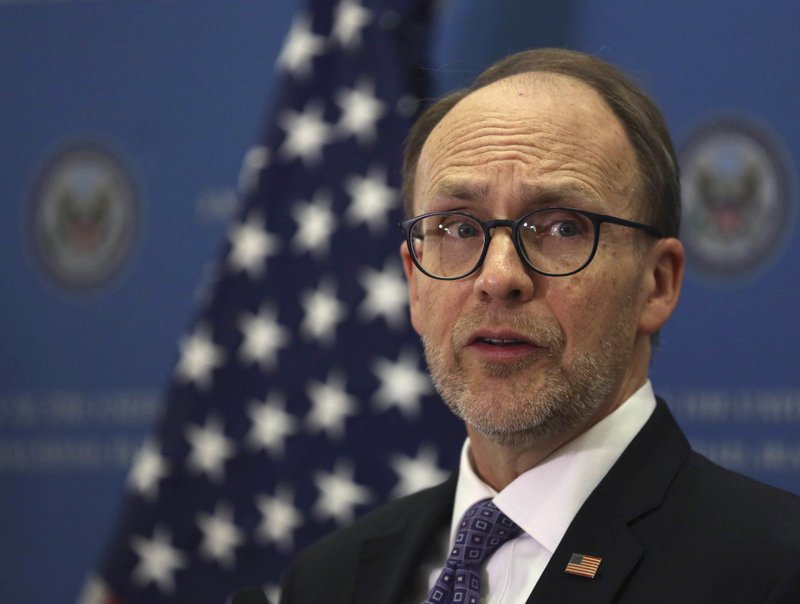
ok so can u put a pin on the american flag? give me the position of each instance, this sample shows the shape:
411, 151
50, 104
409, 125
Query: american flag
583, 565
299, 399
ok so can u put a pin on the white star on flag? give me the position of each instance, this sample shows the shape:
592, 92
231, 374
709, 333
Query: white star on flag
402, 384
331, 405
158, 560
361, 110
95, 591
306, 133
339, 494
387, 295
350, 19
323, 312
263, 337
271, 424
149, 468
315, 225
255, 159
210, 448
416, 473
279, 518
220, 536
300, 47
371, 199
273, 592
251, 246
199, 357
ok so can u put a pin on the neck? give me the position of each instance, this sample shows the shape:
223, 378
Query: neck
498, 464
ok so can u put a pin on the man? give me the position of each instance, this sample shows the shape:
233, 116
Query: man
542, 259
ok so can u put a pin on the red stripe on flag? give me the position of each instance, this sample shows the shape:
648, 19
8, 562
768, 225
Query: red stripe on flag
582, 565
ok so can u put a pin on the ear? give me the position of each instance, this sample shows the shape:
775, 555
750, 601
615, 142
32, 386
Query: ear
411, 279
663, 279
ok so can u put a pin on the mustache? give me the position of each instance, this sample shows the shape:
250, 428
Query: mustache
542, 332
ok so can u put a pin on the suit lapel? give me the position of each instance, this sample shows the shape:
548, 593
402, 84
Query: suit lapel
598, 532
389, 561
604, 526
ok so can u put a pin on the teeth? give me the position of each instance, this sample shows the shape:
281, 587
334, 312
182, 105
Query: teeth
499, 342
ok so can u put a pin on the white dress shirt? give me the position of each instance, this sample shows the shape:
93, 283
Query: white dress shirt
545, 499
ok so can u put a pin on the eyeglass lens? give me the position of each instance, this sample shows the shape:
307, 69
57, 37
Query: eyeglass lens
555, 242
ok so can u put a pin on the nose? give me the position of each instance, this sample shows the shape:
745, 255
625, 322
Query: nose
503, 276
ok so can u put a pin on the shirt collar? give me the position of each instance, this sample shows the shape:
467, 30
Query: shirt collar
545, 499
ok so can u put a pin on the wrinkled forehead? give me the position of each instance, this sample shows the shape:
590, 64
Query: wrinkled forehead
534, 123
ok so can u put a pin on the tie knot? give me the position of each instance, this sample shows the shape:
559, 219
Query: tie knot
483, 529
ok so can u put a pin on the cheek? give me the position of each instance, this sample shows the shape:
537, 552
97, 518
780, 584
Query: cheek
587, 308
439, 306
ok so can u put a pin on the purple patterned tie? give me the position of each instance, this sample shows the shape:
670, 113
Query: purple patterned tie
483, 529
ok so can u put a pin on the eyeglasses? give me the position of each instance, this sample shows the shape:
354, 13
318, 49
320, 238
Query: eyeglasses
555, 242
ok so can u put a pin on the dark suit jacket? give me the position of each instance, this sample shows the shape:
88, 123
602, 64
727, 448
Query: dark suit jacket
670, 526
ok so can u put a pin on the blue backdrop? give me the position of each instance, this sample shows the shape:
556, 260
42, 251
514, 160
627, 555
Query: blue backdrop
172, 94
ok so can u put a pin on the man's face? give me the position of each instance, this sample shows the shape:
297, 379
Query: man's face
516, 354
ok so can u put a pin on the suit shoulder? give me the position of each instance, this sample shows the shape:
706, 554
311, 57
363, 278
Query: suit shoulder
340, 548
729, 496
387, 517
717, 476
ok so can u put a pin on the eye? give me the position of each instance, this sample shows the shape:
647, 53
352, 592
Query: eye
563, 224
467, 229
460, 229
556, 225
566, 228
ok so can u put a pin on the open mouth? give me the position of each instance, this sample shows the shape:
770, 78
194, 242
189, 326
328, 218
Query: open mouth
503, 341
506, 346
499, 337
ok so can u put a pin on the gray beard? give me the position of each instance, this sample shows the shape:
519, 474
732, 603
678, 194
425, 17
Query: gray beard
567, 396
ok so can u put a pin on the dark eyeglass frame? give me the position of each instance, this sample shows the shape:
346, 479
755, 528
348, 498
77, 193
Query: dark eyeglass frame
488, 225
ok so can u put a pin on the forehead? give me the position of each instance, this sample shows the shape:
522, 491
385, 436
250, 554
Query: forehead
531, 130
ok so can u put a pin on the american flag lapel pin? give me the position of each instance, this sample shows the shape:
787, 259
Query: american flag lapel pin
583, 565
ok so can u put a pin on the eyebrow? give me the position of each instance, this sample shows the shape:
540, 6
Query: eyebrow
458, 189
532, 195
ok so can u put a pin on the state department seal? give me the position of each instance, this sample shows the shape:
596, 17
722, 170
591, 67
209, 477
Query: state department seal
737, 194
83, 216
